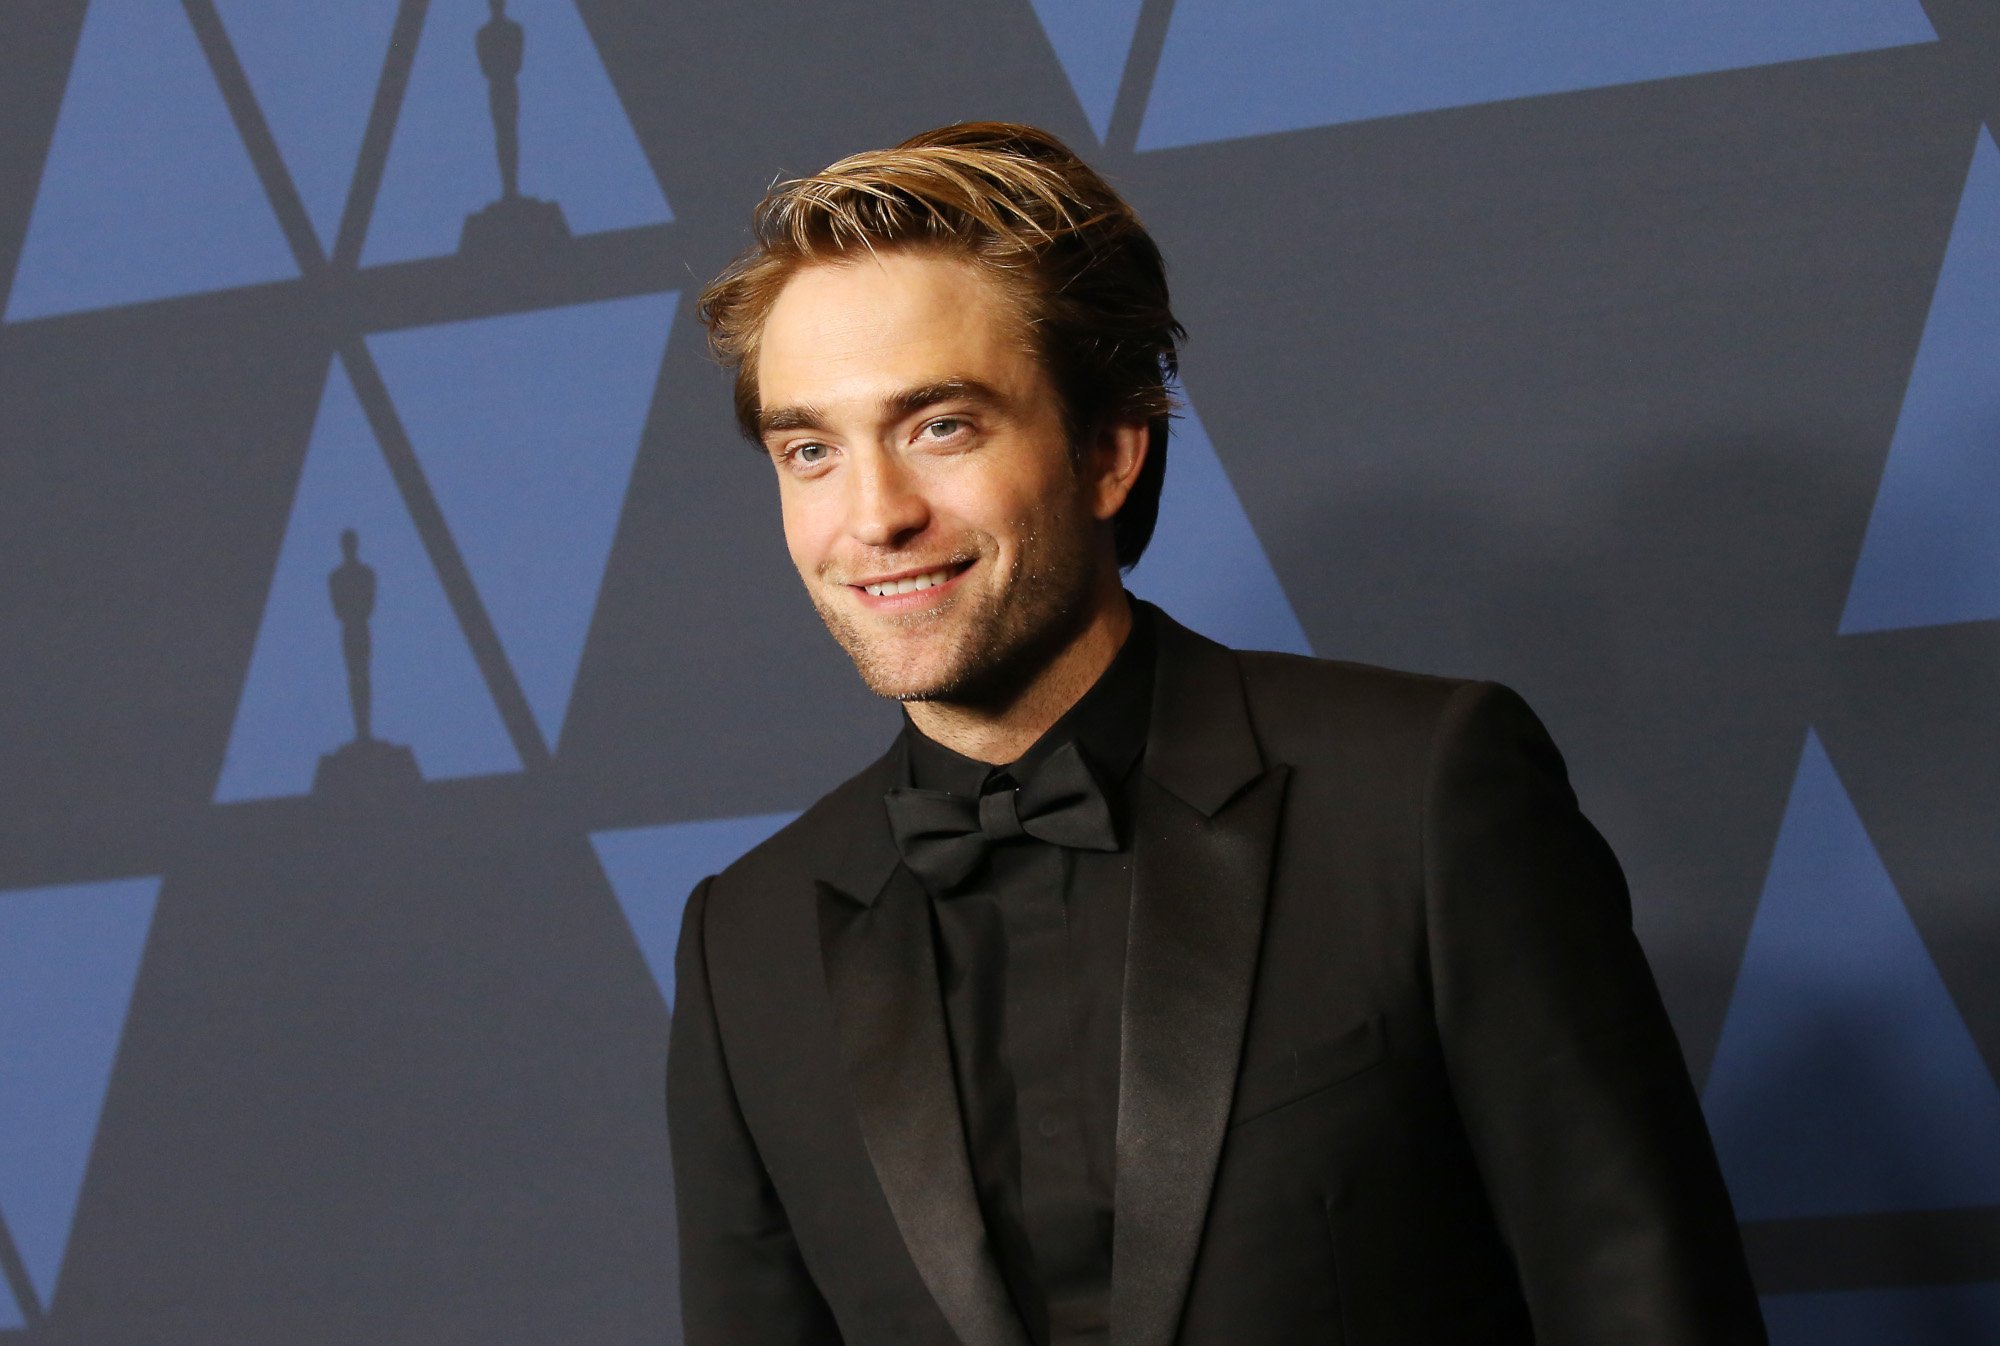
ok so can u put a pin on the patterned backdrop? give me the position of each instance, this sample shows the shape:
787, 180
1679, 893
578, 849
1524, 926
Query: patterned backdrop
1644, 354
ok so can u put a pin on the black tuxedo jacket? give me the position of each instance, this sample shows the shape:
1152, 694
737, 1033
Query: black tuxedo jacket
1394, 1069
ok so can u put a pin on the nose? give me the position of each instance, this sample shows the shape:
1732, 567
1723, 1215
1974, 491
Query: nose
885, 506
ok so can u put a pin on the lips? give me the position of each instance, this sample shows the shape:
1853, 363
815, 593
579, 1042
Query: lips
909, 582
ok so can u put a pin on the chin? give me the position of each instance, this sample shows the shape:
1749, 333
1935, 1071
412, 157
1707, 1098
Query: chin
983, 668
901, 677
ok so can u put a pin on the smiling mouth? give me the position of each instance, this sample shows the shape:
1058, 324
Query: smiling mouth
910, 584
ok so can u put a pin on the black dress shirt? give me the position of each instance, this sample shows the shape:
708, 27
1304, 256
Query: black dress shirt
1032, 1017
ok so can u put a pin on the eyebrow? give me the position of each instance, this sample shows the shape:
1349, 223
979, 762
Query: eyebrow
912, 401
777, 420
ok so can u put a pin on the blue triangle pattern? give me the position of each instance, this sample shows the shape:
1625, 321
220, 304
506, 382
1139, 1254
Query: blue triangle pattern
69, 957
1845, 1081
428, 692
1092, 39
313, 69
1205, 565
577, 145
528, 426
1932, 550
1937, 1315
653, 870
1230, 69
147, 192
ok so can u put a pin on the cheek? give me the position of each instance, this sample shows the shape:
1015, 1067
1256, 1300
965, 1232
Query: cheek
810, 528
1044, 514
1009, 508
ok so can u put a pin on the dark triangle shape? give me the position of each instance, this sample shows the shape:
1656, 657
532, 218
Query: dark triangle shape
1932, 551
1845, 1081
1934, 1315
69, 956
1092, 39
313, 69
528, 426
1205, 565
654, 869
1231, 70
148, 191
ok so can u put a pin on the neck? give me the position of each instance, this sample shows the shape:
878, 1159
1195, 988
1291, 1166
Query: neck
999, 733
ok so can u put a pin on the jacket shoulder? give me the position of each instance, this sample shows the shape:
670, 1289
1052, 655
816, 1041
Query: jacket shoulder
1297, 702
1396, 729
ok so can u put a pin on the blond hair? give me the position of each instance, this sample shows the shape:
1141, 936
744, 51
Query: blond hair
1085, 278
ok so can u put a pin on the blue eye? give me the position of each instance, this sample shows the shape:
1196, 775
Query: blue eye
810, 453
945, 427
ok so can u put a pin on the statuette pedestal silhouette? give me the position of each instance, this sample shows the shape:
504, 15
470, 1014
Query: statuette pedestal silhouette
366, 768
514, 226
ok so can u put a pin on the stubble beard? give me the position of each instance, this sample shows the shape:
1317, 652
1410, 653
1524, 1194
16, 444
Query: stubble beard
995, 643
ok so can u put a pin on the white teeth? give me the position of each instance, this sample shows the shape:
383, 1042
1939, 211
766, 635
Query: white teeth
908, 586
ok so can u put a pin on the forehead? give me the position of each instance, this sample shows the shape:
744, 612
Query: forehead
871, 325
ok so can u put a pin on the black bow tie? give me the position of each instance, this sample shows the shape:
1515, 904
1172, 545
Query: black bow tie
943, 837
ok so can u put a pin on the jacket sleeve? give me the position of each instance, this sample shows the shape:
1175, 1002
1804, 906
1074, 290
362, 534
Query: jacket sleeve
1566, 1070
743, 1282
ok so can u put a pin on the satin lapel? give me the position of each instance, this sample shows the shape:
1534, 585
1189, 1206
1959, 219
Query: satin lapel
881, 972
1207, 824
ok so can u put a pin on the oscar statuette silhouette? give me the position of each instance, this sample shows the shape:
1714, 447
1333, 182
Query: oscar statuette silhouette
367, 764
514, 225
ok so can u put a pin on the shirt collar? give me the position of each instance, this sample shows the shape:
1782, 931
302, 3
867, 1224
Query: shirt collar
1108, 724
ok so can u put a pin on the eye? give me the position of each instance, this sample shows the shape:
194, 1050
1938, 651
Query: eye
944, 427
805, 458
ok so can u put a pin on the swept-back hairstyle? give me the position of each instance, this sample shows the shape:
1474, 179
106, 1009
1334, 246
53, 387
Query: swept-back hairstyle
1084, 277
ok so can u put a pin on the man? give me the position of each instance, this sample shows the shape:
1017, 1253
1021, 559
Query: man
1145, 991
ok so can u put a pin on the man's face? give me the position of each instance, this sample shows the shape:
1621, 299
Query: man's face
930, 500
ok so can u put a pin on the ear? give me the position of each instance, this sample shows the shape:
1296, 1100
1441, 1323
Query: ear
1117, 452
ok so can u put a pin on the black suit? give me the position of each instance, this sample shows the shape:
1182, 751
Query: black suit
1394, 1070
